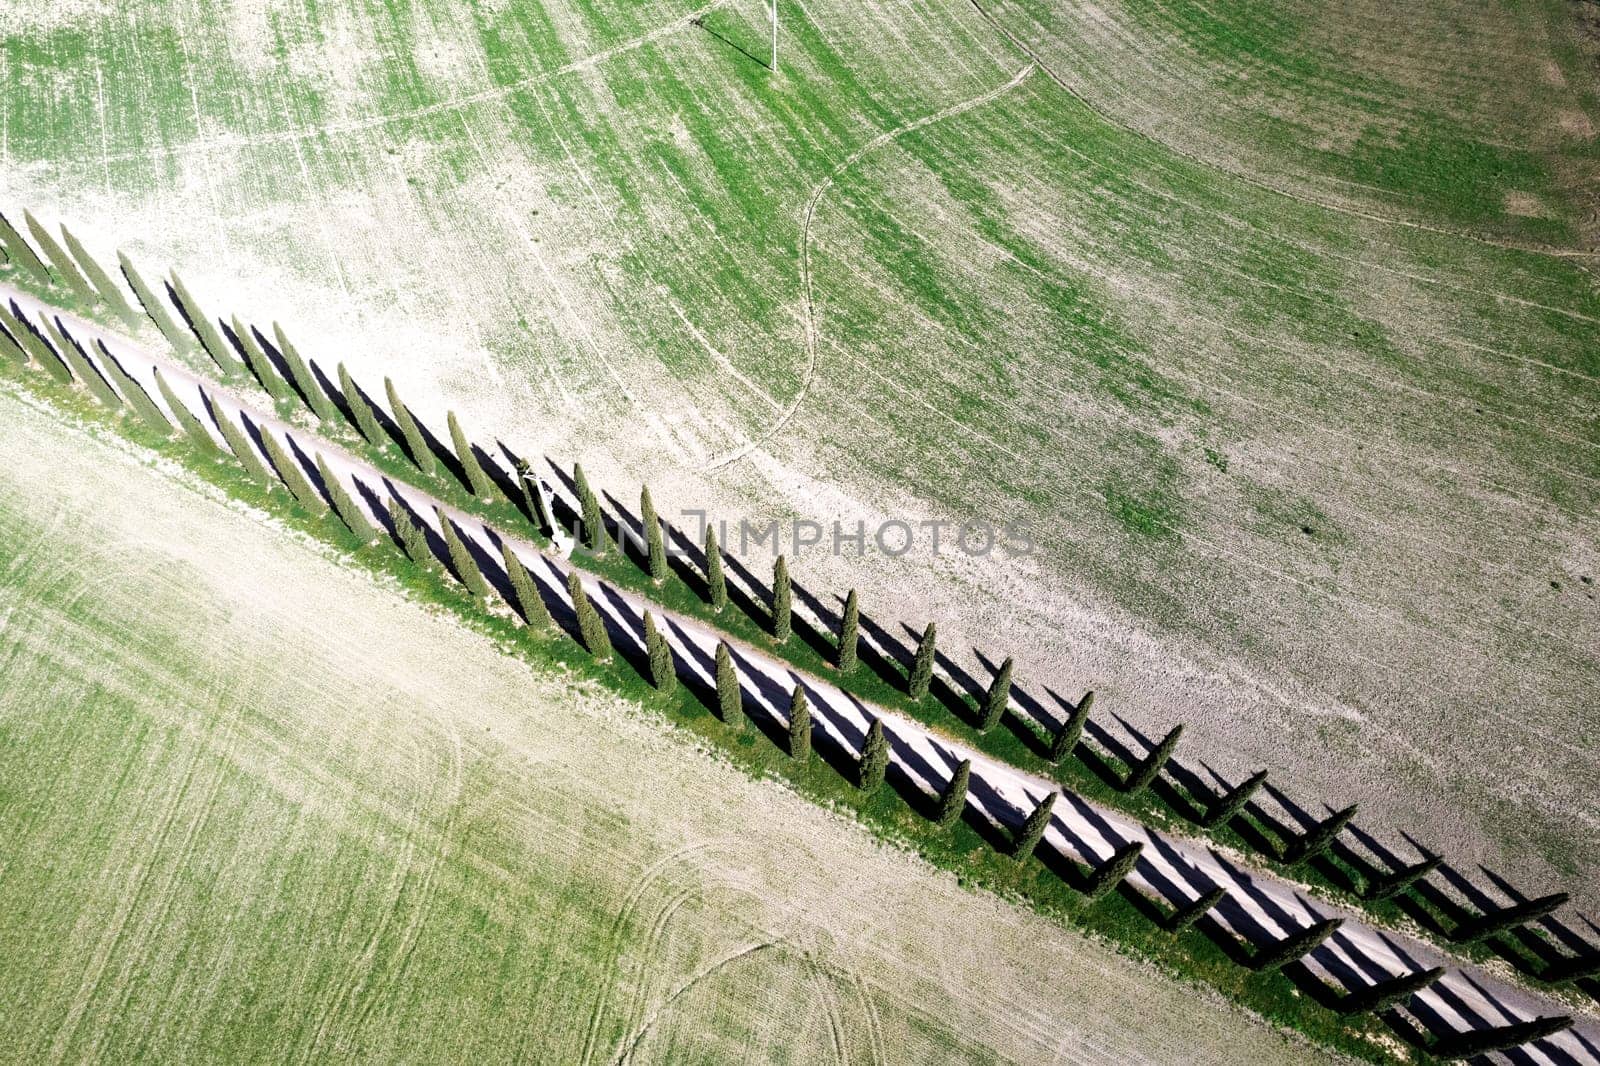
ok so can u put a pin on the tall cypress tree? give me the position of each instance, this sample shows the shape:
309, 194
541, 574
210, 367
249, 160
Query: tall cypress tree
1379, 997
1319, 837
1145, 773
258, 362
594, 522
1486, 925
730, 700
416, 444
716, 583
344, 506
1032, 830
413, 538
663, 672
849, 633
240, 446
1295, 945
83, 374
205, 329
1222, 810
529, 602
782, 602
61, 261
186, 418
477, 480
590, 626
304, 380
44, 352
33, 348
461, 560
874, 758
12, 347
799, 725
134, 393
1390, 885
289, 470
922, 666
1066, 738
997, 698
1194, 910
954, 798
105, 288
360, 410
23, 252
654, 544
1465, 1045
534, 493
156, 308
1111, 872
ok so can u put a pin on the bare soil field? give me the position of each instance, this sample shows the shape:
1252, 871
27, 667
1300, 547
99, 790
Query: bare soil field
256, 808
1235, 311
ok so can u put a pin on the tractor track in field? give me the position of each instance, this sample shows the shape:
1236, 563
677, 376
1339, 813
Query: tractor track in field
807, 288
1258, 907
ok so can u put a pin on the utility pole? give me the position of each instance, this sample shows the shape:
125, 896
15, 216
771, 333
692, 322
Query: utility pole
774, 36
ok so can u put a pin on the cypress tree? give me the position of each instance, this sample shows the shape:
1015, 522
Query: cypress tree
997, 698
413, 538
849, 633
461, 560
534, 493
258, 362
107, 289
954, 798
156, 308
594, 523
42, 350
12, 347
716, 584
1390, 885
1066, 738
922, 666
240, 446
344, 506
1319, 837
205, 329
730, 700
529, 602
663, 672
83, 374
1295, 945
134, 393
33, 349
186, 418
61, 261
590, 626
1194, 910
1485, 1041
654, 543
303, 379
1222, 810
799, 725
1142, 775
1032, 831
874, 757
416, 445
1111, 872
477, 480
782, 602
1486, 925
289, 470
360, 410
22, 251
1379, 997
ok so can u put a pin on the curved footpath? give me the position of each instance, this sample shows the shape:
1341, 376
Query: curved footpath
1258, 907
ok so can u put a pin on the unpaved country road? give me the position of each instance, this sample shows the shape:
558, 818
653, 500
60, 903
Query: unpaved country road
1257, 907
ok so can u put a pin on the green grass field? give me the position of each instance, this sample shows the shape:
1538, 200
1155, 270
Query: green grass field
256, 808
1277, 324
